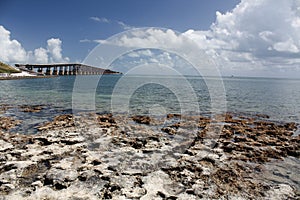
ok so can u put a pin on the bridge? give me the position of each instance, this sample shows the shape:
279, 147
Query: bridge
63, 69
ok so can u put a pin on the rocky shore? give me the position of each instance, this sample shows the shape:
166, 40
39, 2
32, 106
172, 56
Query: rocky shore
101, 156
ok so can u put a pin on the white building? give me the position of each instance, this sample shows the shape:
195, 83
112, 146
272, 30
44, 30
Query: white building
4, 75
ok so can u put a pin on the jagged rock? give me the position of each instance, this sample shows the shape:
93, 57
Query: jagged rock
60, 121
126, 160
106, 121
6, 188
7, 123
170, 116
37, 184
169, 130
142, 119
31, 108
60, 178
4, 107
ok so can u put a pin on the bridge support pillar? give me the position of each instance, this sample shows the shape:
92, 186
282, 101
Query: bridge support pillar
55, 71
61, 71
40, 70
48, 71
74, 70
66, 70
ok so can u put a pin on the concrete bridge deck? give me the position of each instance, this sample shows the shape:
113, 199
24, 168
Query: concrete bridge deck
62, 69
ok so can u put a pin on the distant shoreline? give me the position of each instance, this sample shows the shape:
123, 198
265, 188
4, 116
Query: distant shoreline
24, 77
33, 77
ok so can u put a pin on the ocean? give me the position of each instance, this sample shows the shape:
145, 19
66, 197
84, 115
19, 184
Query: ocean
150, 95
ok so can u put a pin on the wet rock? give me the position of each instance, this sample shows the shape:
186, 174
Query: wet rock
170, 116
138, 143
61, 121
5, 107
254, 142
142, 119
263, 116
170, 131
106, 121
31, 108
292, 126
7, 123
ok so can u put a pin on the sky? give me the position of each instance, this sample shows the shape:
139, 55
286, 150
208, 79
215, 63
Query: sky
244, 37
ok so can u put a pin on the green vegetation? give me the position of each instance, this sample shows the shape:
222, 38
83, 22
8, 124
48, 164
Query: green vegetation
4, 68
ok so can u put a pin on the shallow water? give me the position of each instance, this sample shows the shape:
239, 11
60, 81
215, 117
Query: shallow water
155, 95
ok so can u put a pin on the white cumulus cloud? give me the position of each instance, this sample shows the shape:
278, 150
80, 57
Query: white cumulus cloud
256, 33
257, 36
41, 55
54, 49
286, 46
12, 51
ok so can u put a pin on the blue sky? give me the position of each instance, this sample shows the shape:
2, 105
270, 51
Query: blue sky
249, 37
33, 22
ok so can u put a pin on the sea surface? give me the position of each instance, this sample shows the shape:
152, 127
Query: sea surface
155, 95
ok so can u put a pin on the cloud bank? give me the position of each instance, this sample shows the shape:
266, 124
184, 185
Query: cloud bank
12, 51
257, 33
257, 37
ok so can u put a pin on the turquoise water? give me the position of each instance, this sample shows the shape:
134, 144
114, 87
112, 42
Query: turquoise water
278, 98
